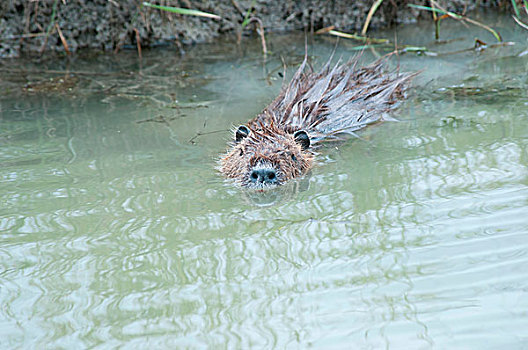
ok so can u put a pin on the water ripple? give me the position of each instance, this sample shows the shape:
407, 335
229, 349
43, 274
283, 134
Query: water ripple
412, 237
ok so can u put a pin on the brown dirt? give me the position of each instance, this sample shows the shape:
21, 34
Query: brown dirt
31, 26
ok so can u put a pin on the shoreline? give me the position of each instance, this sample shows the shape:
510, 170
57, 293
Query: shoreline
58, 26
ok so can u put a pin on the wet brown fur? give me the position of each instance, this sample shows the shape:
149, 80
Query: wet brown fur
324, 104
267, 146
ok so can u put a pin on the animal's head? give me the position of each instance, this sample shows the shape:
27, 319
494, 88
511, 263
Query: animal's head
267, 157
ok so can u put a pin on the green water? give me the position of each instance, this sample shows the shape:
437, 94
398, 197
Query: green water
116, 231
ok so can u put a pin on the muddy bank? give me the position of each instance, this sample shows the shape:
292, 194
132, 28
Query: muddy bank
43, 26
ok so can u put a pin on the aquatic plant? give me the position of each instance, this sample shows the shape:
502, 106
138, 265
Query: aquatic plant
517, 14
448, 14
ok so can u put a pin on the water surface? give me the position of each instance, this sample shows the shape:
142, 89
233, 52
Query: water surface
117, 231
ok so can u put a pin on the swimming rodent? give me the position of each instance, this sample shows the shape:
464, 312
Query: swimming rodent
278, 144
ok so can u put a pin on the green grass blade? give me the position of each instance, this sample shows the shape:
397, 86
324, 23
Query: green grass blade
515, 9
364, 47
53, 15
182, 11
357, 37
408, 48
246, 20
432, 9
525, 26
369, 16
459, 17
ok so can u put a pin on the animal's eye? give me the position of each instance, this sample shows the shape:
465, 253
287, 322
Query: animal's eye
293, 157
241, 152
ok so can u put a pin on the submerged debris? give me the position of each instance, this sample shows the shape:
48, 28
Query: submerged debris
62, 84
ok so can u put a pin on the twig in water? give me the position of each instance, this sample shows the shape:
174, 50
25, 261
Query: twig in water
330, 30
63, 39
198, 134
138, 43
260, 32
437, 23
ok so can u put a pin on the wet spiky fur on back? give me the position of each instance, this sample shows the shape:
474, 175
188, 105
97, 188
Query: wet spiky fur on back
337, 100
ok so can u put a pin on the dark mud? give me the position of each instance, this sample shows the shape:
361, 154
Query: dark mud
43, 26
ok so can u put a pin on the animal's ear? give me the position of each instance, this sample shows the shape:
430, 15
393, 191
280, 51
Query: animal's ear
302, 138
242, 132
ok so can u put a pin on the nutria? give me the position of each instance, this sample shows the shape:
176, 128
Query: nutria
278, 144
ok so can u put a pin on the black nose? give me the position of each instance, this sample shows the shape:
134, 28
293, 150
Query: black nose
266, 176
